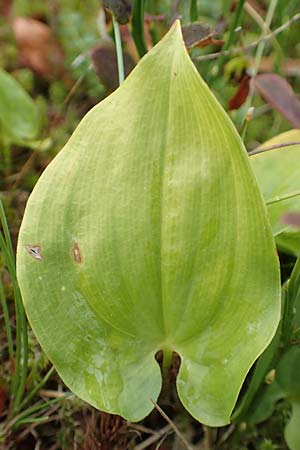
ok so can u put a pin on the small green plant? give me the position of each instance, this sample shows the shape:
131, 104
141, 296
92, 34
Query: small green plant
148, 232
19, 411
19, 117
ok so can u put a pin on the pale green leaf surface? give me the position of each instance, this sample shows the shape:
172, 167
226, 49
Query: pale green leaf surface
292, 430
288, 377
277, 172
19, 119
176, 253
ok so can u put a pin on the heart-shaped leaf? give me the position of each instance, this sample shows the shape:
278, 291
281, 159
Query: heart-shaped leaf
148, 232
278, 177
19, 119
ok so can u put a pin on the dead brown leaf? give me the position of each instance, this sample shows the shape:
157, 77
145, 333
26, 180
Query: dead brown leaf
120, 8
239, 98
276, 91
106, 67
291, 218
39, 50
289, 66
199, 35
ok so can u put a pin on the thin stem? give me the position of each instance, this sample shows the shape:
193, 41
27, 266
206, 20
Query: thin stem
119, 49
280, 198
24, 368
37, 388
166, 363
260, 51
7, 322
245, 124
235, 24
193, 10
138, 32
33, 409
10, 265
153, 438
232, 33
19, 377
173, 426
6, 231
272, 147
260, 22
238, 50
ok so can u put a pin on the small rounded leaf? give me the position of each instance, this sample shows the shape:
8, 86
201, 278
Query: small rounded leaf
278, 176
19, 118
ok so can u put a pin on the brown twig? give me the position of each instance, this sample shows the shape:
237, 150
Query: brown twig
172, 425
156, 435
236, 51
47, 393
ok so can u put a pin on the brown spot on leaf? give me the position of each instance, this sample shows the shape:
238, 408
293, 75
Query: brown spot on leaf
35, 251
76, 253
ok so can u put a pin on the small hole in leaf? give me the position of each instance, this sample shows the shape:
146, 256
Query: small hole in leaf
77, 253
35, 251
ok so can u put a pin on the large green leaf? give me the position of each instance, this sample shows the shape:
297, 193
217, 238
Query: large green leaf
148, 232
19, 118
278, 176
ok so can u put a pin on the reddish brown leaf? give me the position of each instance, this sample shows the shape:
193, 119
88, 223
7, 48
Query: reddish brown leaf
6, 7
199, 35
154, 17
129, 42
290, 66
106, 67
276, 91
3, 399
239, 98
210, 40
291, 218
39, 50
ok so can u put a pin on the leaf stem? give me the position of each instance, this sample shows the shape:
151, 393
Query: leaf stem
166, 363
280, 198
257, 151
119, 49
